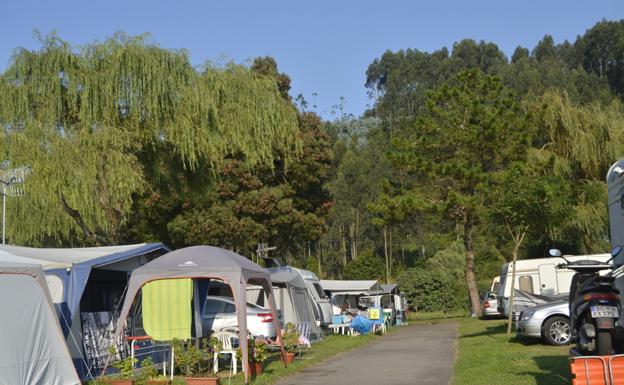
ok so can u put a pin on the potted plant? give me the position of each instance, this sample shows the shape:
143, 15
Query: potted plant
194, 363
150, 374
125, 367
258, 354
290, 338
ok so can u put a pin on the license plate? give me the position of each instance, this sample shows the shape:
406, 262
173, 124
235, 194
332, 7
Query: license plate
604, 311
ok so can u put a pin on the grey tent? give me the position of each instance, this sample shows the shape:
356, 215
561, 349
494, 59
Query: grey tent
293, 299
33, 349
206, 262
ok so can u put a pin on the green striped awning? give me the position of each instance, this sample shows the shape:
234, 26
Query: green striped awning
167, 312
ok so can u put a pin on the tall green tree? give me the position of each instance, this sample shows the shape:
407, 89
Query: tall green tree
472, 130
82, 118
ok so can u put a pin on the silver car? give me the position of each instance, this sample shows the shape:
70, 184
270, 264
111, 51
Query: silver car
489, 304
219, 313
550, 321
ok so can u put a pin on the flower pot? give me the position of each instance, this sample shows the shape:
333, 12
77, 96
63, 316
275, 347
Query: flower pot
121, 382
290, 357
158, 382
255, 368
202, 380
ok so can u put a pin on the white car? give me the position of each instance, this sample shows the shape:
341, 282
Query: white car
219, 313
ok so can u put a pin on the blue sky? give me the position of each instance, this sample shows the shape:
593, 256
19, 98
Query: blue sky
325, 46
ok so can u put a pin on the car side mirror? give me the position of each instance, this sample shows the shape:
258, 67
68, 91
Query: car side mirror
615, 251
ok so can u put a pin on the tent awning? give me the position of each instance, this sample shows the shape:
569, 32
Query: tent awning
351, 287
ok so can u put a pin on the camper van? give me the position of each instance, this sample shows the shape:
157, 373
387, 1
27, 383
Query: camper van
537, 281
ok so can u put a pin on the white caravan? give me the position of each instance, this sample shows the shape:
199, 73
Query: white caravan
537, 281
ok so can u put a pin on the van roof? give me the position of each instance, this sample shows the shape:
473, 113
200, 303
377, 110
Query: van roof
534, 262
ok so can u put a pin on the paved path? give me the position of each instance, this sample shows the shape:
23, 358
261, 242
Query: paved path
416, 354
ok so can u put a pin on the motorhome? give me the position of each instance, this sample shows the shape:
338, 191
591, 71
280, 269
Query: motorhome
537, 281
615, 188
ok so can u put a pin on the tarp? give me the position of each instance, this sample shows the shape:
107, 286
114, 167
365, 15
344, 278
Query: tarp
206, 262
33, 350
167, 309
390, 289
351, 287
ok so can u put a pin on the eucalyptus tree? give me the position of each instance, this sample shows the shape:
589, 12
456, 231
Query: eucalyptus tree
82, 118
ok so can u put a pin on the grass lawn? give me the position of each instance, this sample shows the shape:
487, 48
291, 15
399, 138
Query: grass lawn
486, 356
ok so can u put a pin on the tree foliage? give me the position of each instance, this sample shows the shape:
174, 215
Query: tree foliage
80, 118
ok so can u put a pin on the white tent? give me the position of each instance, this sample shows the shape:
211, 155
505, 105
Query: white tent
33, 349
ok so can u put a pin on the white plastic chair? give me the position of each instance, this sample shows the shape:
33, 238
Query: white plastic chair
227, 341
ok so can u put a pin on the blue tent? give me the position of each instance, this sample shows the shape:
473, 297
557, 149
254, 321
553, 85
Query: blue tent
68, 272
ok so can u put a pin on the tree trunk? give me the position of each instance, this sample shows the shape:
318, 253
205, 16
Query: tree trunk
318, 257
355, 233
473, 292
518, 238
390, 254
344, 244
385, 235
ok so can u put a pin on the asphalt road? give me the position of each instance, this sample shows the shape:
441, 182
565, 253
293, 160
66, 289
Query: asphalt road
416, 354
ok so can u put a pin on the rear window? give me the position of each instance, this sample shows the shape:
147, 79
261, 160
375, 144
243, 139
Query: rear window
214, 306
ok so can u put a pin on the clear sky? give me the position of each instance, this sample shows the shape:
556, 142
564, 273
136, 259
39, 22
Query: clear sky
325, 46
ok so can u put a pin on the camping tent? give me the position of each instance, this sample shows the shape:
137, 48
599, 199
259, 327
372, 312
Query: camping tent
33, 350
292, 298
87, 285
205, 262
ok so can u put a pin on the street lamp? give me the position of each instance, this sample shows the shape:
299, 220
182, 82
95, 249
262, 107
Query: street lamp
10, 178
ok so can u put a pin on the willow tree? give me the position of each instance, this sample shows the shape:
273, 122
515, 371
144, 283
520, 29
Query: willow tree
581, 142
80, 117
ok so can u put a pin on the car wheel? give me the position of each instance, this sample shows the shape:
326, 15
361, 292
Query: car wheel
556, 331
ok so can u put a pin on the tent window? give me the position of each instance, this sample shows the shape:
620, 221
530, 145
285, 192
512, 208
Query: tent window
319, 290
526, 284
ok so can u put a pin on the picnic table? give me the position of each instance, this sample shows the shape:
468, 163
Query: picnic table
342, 328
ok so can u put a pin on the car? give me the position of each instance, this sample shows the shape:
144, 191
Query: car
549, 321
489, 305
219, 314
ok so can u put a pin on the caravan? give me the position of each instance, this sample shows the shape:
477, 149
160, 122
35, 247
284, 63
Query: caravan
537, 281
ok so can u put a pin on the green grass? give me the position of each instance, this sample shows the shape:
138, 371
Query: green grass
486, 356
436, 315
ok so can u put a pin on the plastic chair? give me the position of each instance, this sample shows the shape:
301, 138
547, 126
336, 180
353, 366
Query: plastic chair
378, 317
227, 340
